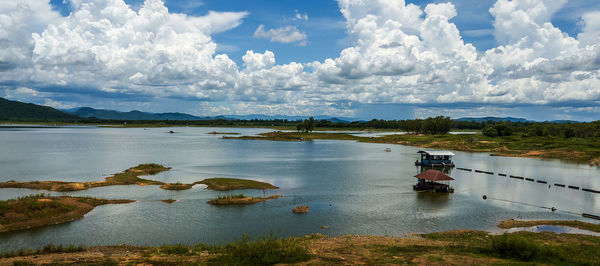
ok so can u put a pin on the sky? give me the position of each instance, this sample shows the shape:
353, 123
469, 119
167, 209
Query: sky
364, 59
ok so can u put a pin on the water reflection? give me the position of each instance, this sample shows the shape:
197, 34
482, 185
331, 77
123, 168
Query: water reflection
433, 200
355, 188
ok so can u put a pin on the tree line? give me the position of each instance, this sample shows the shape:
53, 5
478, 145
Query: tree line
431, 125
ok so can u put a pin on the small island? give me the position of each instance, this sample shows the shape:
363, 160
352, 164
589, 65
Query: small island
41, 210
223, 133
301, 209
224, 184
176, 186
240, 199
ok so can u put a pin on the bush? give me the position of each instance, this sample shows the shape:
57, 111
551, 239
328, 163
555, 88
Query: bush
177, 249
518, 247
4, 206
268, 249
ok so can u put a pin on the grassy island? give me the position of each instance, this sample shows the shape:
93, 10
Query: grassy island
223, 133
507, 224
41, 210
130, 176
240, 199
462, 247
176, 186
224, 184
581, 150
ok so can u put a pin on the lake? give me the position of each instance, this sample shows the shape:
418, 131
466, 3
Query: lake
351, 187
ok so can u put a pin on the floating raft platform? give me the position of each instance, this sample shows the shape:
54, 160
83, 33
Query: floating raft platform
587, 215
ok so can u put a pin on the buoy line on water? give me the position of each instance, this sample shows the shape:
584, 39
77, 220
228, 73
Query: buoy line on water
485, 197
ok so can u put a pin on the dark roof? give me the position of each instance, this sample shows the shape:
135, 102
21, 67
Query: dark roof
435, 153
433, 175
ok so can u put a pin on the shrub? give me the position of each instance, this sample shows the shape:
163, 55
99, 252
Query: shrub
518, 247
268, 249
176, 249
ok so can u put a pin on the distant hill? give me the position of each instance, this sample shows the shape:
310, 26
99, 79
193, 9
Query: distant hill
131, 115
492, 118
288, 117
28, 112
86, 112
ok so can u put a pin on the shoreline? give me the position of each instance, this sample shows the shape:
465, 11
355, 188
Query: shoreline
465, 247
515, 146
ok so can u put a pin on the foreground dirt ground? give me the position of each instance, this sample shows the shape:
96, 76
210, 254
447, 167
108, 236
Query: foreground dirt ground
445, 248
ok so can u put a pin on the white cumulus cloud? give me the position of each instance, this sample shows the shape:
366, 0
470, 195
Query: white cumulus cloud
399, 53
288, 34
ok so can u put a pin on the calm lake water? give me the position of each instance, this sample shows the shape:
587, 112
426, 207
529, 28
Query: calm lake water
353, 188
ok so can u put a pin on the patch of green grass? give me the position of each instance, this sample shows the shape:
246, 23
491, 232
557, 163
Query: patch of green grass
175, 249
222, 184
265, 250
48, 249
523, 246
228, 197
518, 247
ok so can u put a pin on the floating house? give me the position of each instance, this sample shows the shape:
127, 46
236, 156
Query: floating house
435, 158
433, 181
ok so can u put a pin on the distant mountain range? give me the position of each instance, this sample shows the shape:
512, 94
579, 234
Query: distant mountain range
25, 112
29, 112
492, 118
87, 112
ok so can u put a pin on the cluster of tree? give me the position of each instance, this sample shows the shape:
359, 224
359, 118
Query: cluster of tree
307, 126
496, 130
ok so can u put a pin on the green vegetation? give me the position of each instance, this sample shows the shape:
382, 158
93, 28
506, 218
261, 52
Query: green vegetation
507, 224
265, 250
176, 186
307, 126
41, 209
497, 130
224, 184
223, 133
48, 249
524, 246
239, 199
443, 248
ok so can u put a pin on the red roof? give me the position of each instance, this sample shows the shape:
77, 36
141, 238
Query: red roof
433, 175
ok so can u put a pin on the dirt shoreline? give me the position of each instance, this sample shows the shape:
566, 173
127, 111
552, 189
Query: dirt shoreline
457, 247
